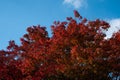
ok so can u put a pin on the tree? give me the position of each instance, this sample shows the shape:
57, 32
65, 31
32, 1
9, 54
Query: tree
8, 64
77, 50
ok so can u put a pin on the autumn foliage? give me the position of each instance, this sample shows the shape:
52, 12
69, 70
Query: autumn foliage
76, 50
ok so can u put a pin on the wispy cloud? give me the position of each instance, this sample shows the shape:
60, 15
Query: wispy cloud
76, 3
115, 26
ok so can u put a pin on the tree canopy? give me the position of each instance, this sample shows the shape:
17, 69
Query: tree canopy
77, 50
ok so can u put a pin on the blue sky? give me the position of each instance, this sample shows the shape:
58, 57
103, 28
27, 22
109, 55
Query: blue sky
17, 15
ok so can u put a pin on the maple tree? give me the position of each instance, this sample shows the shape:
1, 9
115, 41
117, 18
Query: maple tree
77, 50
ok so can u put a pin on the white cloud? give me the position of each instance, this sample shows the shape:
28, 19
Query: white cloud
75, 3
114, 26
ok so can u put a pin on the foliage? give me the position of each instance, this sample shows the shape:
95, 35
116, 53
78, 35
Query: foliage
77, 50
